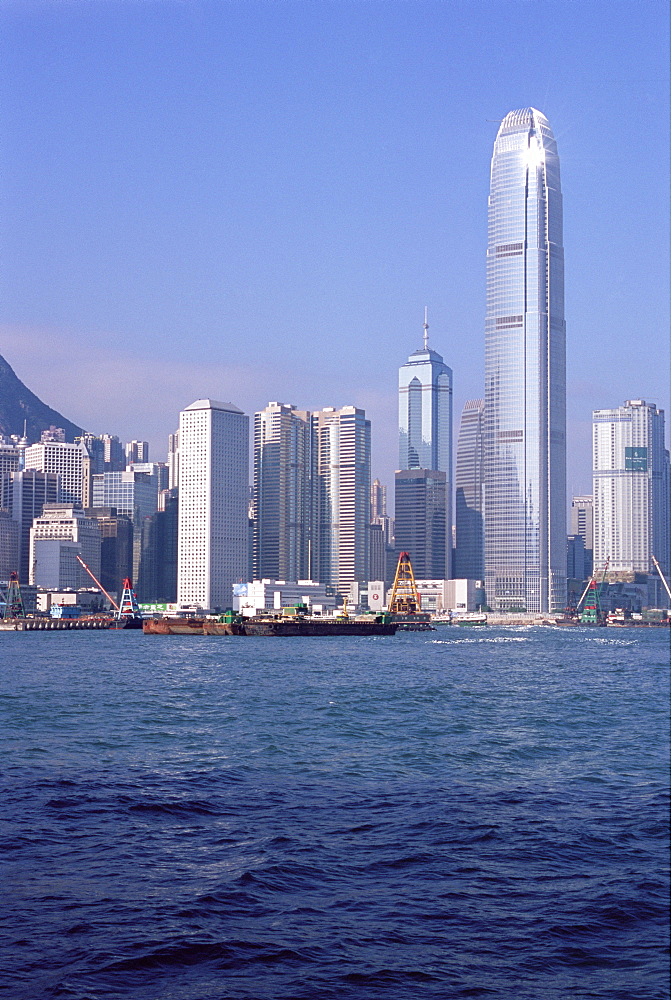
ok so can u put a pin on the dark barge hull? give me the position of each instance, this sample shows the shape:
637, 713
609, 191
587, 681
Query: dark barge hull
266, 626
315, 627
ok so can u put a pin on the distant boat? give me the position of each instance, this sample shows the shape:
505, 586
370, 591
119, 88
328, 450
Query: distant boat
470, 618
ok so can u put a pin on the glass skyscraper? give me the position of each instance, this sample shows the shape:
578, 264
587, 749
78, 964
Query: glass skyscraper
425, 411
469, 493
425, 442
524, 498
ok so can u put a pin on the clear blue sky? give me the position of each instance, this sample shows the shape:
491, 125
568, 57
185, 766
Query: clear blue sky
255, 201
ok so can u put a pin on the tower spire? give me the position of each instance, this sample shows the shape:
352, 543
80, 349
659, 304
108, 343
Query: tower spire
425, 334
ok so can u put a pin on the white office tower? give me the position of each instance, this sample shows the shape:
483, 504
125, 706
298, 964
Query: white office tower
281, 496
341, 450
57, 537
524, 415
631, 504
68, 460
212, 522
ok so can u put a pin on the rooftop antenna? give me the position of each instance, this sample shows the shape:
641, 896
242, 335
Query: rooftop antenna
425, 335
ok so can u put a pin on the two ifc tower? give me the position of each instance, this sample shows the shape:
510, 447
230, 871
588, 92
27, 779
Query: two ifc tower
511, 455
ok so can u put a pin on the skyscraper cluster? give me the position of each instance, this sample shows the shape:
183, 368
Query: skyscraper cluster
191, 530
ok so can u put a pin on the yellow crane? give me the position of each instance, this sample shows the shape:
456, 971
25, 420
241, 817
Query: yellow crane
405, 598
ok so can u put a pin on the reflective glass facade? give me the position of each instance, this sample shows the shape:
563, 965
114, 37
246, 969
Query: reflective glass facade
425, 412
524, 497
469, 494
426, 435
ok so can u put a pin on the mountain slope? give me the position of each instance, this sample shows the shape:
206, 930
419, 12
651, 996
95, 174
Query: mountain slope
19, 404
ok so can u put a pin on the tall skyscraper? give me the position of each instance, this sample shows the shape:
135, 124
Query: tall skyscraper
420, 520
425, 410
631, 500
133, 494
469, 494
426, 432
116, 547
212, 518
281, 496
525, 517
341, 488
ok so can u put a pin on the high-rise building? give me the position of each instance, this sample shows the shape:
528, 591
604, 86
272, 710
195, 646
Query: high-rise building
63, 458
132, 493
341, 491
425, 410
24, 494
10, 455
137, 451
420, 520
581, 523
61, 534
524, 415
631, 501
116, 547
378, 501
281, 493
114, 455
426, 433
173, 460
212, 519
468, 563
9, 545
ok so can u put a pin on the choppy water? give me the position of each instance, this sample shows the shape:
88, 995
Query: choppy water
451, 814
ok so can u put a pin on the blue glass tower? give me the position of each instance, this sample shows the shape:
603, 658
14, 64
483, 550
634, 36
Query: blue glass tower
425, 411
524, 468
425, 442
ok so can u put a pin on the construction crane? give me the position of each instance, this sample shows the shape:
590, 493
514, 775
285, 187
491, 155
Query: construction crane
128, 608
99, 584
592, 614
660, 574
13, 599
405, 598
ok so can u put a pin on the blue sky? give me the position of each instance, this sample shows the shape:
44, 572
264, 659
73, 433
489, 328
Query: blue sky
255, 201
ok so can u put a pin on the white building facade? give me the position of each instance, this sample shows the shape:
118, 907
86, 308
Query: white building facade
213, 491
267, 595
61, 534
631, 506
282, 493
341, 488
65, 459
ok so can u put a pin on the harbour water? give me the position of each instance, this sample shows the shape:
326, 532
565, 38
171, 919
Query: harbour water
459, 813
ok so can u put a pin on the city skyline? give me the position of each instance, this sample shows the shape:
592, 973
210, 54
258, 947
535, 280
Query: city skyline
225, 185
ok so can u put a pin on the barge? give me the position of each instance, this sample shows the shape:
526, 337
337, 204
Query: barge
292, 622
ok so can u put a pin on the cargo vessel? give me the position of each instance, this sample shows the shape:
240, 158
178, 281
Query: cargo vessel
292, 622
